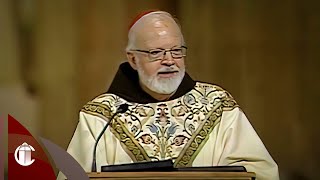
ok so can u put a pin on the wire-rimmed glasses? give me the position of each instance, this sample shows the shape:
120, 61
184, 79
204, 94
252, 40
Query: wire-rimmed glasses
159, 54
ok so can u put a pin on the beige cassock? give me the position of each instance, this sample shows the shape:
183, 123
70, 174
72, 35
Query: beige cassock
205, 127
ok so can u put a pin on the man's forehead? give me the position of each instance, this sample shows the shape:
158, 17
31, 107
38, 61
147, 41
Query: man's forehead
156, 31
162, 43
150, 16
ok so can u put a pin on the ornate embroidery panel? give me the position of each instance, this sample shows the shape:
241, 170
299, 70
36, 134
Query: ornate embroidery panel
174, 129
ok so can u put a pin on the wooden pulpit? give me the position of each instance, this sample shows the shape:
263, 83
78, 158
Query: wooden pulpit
174, 175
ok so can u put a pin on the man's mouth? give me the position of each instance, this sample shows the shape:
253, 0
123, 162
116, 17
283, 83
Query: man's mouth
167, 74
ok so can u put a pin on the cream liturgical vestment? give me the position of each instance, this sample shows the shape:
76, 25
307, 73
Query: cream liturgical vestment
201, 125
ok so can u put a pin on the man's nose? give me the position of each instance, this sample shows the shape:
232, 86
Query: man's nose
167, 59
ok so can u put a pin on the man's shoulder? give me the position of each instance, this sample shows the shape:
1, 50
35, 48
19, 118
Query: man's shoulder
105, 98
216, 93
212, 88
206, 84
102, 105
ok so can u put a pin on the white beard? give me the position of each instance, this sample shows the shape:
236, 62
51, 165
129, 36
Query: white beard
161, 85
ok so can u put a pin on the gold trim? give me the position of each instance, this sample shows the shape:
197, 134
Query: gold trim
132, 146
97, 109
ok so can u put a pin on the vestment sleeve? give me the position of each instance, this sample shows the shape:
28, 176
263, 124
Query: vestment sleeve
242, 146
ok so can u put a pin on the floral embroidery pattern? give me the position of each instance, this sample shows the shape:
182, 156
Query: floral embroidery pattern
179, 140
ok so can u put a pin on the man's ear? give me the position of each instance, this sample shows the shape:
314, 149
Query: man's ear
132, 60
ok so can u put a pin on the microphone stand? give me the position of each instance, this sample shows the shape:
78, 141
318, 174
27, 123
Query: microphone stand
122, 108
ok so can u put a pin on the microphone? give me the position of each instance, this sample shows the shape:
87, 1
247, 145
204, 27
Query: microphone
121, 109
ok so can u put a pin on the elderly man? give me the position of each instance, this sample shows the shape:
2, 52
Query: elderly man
170, 116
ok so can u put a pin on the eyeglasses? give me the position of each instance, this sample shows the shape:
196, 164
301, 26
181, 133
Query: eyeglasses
159, 54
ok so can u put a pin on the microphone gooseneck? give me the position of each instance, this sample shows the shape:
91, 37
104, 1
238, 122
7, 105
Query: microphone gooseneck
121, 109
